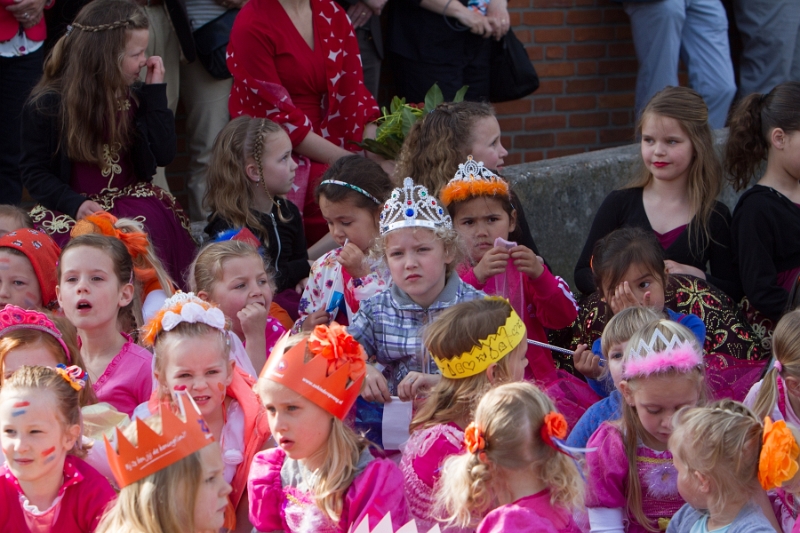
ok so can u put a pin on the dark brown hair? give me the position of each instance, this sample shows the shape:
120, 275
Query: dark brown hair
84, 68
616, 252
750, 126
360, 172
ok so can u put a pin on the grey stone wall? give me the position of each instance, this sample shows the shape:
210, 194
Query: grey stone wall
560, 197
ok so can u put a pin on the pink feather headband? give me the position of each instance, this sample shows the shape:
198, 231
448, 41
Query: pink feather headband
681, 358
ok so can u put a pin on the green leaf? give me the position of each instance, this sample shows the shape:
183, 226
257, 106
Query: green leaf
408, 120
396, 104
433, 98
459, 97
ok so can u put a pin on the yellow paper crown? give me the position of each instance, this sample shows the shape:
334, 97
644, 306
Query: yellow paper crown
491, 350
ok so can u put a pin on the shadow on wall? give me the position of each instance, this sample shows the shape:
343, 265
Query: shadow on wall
560, 197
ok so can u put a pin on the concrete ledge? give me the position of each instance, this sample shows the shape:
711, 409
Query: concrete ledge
560, 197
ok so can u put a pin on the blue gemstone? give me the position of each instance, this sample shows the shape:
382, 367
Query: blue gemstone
409, 212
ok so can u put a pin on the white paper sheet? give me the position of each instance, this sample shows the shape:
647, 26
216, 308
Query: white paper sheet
396, 419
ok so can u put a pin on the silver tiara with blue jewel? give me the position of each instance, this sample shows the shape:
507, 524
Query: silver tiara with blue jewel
412, 206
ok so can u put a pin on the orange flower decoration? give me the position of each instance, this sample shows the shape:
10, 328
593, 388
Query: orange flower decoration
779, 452
473, 438
336, 345
554, 426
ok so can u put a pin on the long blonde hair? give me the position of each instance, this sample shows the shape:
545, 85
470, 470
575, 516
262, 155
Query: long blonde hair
786, 347
457, 331
334, 477
162, 502
630, 425
510, 418
723, 442
84, 67
705, 171
229, 194
206, 269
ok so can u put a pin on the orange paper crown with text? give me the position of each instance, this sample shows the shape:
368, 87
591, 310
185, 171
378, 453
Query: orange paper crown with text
179, 438
328, 368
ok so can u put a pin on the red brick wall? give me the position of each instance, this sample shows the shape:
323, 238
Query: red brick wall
583, 53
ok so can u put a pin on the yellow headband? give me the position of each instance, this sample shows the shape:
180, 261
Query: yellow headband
491, 350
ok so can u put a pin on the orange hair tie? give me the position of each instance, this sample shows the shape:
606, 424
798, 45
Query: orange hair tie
553, 427
779, 452
474, 439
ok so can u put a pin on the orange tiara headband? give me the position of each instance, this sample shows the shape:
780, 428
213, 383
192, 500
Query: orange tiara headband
180, 437
332, 376
473, 179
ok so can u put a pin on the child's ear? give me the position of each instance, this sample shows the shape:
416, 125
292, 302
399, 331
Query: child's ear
71, 436
58, 296
203, 295
627, 393
490, 373
126, 295
230, 372
703, 482
251, 170
778, 138
793, 385
512, 221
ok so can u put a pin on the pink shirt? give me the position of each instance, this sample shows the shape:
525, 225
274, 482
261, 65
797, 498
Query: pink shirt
80, 503
531, 513
128, 379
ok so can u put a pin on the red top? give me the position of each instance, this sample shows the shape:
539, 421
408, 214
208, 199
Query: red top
9, 26
84, 498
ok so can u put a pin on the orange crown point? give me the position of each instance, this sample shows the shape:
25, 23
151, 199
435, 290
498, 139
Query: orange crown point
328, 368
179, 438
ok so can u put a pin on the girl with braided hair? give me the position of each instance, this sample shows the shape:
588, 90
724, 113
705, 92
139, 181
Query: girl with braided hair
93, 134
250, 172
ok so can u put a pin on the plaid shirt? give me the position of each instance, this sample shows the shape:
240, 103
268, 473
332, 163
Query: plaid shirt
389, 325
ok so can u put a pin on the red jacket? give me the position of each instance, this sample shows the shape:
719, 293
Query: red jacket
9, 26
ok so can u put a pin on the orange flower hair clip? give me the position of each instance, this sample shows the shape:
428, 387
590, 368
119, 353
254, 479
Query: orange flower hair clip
474, 439
335, 344
779, 452
553, 427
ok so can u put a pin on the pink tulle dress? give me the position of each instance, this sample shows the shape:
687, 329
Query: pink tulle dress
280, 497
607, 481
421, 464
531, 513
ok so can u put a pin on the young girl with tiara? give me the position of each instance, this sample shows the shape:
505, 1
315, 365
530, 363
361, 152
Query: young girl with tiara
321, 477
778, 396
435, 146
514, 459
350, 197
674, 196
721, 452
153, 284
28, 260
421, 249
479, 203
250, 172
95, 288
183, 490
93, 134
232, 275
45, 485
460, 341
765, 127
191, 343
631, 478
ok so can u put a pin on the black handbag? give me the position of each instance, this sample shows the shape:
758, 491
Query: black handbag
512, 73
211, 41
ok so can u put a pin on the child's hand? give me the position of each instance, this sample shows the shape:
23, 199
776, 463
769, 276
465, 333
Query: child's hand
414, 382
155, 70
492, 263
353, 260
679, 268
586, 362
317, 318
375, 387
527, 262
87, 208
253, 319
623, 298
301, 285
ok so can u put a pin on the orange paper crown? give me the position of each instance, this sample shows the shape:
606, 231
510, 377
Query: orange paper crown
179, 438
333, 376
473, 179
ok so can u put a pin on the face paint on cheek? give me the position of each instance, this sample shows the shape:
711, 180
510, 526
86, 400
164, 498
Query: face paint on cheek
221, 388
50, 459
179, 388
48, 451
30, 300
21, 404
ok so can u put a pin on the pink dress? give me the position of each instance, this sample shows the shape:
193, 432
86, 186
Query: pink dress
280, 499
531, 513
80, 503
607, 481
421, 464
128, 379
